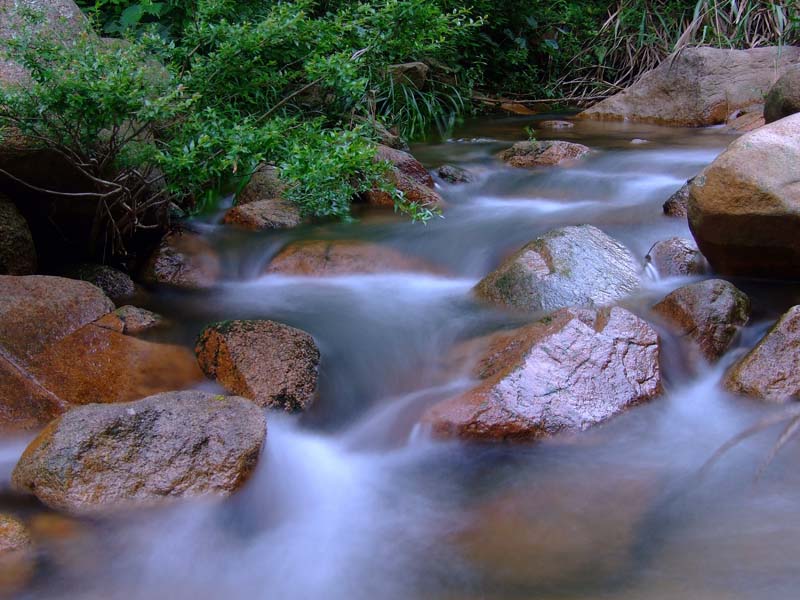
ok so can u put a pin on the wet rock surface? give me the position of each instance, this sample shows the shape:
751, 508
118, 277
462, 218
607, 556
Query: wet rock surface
270, 363
783, 98
676, 257
54, 355
571, 370
174, 445
454, 175
17, 557
710, 313
408, 175
744, 208
571, 266
542, 153
771, 370
342, 257
131, 320
185, 260
698, 86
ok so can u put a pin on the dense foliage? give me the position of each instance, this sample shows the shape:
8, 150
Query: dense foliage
197, 93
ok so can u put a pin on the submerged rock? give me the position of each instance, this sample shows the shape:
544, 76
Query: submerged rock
771, 370
696, 87
555, 124
676, 257
542, 153
454, 175
783, 98
321, 258
571, 370
560, 532
17, 557
173, 445
17, 251
744, 208
571, 266
710, 313
271, 363
185, 260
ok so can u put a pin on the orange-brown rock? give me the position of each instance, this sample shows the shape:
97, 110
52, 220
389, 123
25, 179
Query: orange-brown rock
771, 370
103, 457
676, 257
131, 320
17, 558
566, 372
270, 363
185, 260
749, 121
559, 531
53, 355
274, 213
698, 86
408, 176
98, 365
709, 313
744, 208
542, 153
321, 258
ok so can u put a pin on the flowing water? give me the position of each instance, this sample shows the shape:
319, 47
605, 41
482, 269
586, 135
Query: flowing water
354, 501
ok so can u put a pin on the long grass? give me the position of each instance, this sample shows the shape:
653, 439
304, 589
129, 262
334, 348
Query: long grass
639, 34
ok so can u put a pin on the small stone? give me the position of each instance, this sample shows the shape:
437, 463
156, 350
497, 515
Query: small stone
542, 153
184, 260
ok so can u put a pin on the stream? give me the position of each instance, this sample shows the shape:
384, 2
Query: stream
354, 500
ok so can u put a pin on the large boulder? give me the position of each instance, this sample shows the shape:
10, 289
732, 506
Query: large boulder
321, 258
174, 445
571, 266
566, 372
710, 314
696, 87
408, 176
744, 208
783, 98
542, 153
17, 252
54, 353
271, 363
185, 260
676, 257
771, 370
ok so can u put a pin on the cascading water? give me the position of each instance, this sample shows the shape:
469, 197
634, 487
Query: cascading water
354, 501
